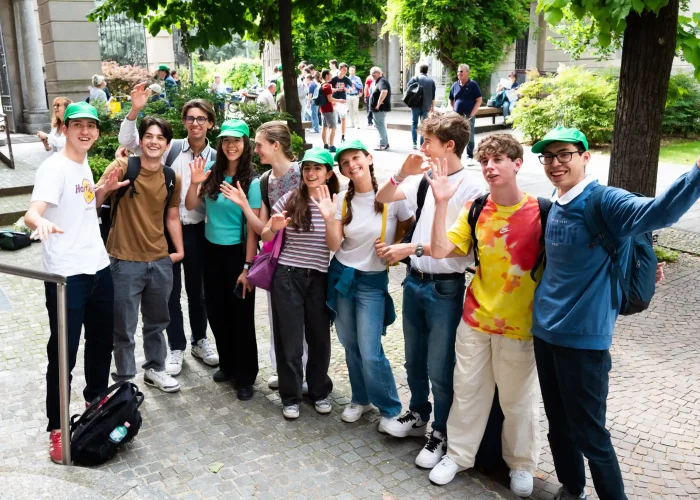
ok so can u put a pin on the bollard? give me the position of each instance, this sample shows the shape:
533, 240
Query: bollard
63, 375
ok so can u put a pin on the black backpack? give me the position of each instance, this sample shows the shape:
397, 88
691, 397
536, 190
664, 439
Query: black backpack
319, 98
638, 281
473, 217
108, 210
413, 97
90, 432
420, 200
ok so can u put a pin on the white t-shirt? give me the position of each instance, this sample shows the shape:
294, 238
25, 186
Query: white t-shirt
470, 189
357, 248
68, 188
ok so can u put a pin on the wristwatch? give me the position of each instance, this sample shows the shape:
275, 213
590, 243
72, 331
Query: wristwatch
419, 250
247, 265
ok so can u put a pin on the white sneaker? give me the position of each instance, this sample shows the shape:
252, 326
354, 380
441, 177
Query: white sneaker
290, 411
383, 422
354, 412
323, 406
409, 424
204, 351
433, 451
161, 380
521, 483
274, 381
174, 364
445, 471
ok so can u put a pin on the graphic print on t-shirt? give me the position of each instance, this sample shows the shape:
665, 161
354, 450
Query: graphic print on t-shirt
87, 189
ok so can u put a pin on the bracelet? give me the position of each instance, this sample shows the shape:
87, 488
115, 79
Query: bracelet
273, 231
394, 181
398, 175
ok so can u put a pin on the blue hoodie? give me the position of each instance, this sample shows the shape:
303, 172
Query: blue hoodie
573, 304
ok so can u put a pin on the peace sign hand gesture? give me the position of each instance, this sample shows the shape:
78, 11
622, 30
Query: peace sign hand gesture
198, 175
440, 183
326, 205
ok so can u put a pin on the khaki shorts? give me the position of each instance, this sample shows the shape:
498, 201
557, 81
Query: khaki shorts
329, 119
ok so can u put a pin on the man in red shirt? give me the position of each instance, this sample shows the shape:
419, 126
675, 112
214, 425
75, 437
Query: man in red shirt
329, 118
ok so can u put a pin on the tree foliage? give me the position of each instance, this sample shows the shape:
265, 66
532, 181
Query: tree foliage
601, 24
474, 32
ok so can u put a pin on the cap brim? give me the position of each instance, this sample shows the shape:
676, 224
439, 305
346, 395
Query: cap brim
318, 160
539, 146
75, 116
230, 134
336, 158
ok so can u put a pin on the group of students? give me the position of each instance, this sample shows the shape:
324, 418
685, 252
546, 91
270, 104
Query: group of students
523, 327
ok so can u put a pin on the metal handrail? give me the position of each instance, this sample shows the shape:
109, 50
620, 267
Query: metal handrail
63, 387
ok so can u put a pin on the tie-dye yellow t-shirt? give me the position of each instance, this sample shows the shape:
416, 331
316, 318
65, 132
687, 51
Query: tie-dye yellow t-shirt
499, 298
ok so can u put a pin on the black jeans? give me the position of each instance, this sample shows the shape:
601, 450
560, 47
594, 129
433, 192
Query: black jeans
298, 306
574, 386
89, 302
232, 319
370, 116
193, 241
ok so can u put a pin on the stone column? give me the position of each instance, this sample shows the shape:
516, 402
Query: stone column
36, 112
71, 50
393, 71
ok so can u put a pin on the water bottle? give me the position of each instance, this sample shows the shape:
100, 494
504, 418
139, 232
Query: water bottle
119, 433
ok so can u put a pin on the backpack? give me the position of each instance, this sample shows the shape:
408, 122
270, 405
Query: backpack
264, 184
319, 98
413, 97
90, 432
420, 200
545, 206
108, 211
14, 240
637, 276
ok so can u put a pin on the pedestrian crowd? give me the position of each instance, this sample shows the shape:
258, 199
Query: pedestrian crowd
536, 320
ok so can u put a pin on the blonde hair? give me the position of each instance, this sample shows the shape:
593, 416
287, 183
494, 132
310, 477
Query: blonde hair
57, 122
278, 132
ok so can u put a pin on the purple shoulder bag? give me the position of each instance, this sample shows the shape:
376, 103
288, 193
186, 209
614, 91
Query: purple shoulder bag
262, 270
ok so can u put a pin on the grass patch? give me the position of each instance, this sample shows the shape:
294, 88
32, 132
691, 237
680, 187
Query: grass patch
680, 151
664, 254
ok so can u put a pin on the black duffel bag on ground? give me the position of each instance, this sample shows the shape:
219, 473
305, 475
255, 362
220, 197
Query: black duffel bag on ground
91, 443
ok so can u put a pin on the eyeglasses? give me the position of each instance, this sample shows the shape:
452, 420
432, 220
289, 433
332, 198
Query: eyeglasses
563, 157
201, 120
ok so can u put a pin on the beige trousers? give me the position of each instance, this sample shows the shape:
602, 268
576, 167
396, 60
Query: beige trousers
483, 362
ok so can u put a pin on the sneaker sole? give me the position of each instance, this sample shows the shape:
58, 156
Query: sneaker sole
164, 389
522, 494
354, 419
426, 464
173, 373
323, 411
203, 360
441, 481
290, 416
414, 432
274, 386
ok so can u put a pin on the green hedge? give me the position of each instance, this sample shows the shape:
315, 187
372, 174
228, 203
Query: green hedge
682, 115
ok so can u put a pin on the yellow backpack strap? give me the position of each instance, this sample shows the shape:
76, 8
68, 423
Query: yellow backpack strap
385, 210
345, 207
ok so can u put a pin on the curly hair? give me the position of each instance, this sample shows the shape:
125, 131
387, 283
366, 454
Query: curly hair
298, 206
244, 171
500, 143
378, 207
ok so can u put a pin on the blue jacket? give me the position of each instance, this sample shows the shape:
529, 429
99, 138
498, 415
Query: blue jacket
343, 279
573, 304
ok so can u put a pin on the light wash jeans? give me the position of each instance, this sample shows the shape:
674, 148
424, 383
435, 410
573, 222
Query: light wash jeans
432, 311
417, 114
380, 124
314, 118
359, 323
148, 285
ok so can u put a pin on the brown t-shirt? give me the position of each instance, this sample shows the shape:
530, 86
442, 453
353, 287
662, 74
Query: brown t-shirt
138, 233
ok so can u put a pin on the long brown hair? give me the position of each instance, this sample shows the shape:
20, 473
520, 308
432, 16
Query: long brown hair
378, 207
57, 122
278, 132
244, 171
298, 205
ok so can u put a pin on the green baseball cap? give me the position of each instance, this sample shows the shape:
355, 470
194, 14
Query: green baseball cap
356, 144
561, 134
80, 109
234, 128
279, 67
163, 67
318, 155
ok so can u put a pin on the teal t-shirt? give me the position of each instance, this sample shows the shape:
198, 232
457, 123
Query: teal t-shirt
224, 217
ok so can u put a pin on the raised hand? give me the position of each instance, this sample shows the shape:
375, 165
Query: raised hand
326, 205
121, 152
279, 222
235, 194
140, 96
198, 175
414, 164
440, 183
112, 183
44, 229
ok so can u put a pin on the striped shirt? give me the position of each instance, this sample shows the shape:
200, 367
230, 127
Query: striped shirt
307, 249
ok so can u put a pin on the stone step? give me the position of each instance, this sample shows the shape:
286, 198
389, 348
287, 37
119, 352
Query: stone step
13, 207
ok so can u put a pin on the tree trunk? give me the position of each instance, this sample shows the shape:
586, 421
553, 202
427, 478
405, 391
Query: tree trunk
289, 74
647, 55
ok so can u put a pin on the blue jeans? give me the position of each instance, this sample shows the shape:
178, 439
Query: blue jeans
314, 118
89, 303
431, 313
360, 326
416, 115
507, 108
380, 124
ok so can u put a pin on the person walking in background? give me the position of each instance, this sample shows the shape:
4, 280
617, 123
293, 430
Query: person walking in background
229, 249
465, 99
367, 93
218, 87
420, 113
98, 90
310, 107
353, 97
168, 81
341, 84
63, 216
327, 111
55, 140
380, 103
267, 96
300, 286
176, 78
333, 63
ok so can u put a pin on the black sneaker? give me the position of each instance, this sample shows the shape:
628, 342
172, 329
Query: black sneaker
221, 376
342, 139
565, 494
325, 146
245, 392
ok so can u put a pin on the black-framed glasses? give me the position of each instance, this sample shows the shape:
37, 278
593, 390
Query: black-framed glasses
201, 120
563, 157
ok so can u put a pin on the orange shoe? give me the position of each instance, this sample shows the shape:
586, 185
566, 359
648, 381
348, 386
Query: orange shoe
55, 449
